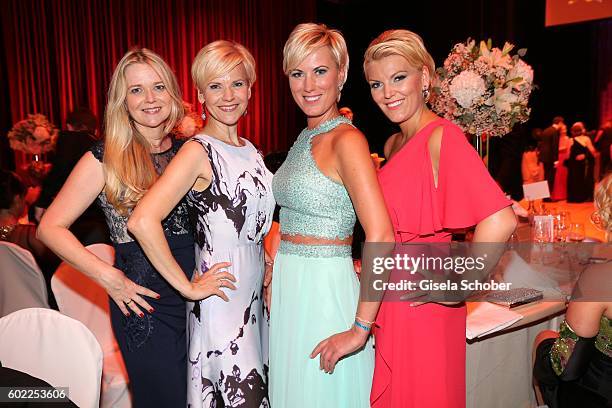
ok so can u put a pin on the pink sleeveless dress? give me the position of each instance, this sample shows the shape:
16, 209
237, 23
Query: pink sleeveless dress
420, 351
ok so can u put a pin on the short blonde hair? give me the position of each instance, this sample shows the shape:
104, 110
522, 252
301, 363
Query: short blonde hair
603, 200
306, 38
219, 58
403, 43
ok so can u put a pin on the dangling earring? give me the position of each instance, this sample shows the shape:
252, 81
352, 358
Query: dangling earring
339, 93
203, 112
426, 94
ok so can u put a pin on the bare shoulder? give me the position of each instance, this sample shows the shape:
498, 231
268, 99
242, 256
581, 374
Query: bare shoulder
387, 149
435, 140
193, 147
88, 165
583, 317
349, 139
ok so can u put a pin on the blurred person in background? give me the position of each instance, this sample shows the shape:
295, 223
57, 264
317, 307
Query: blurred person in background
548, 145
12, 206
573, 367
580, 165
72, 144
603, 144
559, 191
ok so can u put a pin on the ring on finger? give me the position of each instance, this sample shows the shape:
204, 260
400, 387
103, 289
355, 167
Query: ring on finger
129, 301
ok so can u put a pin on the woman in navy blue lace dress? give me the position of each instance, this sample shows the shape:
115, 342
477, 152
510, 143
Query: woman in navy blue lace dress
144, 104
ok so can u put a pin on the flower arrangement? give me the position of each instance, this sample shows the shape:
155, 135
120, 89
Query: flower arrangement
483, 89
191, 123
33, 135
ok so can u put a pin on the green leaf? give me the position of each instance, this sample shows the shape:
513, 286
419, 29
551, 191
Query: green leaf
521, 53
467, 118
489, 44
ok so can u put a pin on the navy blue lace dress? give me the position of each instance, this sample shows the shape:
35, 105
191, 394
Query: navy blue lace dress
153, 347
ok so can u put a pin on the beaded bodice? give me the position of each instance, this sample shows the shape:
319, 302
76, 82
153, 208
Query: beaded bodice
311, 203
604, 337
564, 345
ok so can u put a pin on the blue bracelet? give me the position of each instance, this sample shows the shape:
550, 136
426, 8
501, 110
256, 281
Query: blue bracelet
361, 326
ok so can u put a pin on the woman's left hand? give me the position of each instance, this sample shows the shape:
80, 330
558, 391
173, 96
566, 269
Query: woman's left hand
337, 346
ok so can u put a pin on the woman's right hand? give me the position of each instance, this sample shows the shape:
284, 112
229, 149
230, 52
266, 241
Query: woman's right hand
210, 283
267, 284
126, 293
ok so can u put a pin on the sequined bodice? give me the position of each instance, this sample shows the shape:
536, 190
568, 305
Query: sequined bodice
604, 337
564, 345
177, 223
311, 203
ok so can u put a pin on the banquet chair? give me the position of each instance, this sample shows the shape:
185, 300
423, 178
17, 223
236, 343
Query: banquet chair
79, 297
55, 348
22, 284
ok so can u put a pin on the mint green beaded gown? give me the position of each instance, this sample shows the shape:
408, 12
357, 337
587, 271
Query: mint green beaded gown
314, 289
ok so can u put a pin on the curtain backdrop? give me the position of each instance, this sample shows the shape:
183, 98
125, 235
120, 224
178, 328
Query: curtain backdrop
61, 54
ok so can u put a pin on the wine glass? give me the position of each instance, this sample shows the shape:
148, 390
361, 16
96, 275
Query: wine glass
562, 225
576, 233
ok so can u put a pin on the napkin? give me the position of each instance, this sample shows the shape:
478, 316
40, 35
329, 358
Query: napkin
486, 318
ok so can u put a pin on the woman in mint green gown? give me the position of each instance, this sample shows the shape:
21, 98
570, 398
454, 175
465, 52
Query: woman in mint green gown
320, 353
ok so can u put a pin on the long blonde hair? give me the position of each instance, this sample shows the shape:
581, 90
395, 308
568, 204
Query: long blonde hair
603, 202
129, 171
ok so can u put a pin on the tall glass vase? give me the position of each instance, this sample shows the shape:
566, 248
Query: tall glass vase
482, 148
477, 143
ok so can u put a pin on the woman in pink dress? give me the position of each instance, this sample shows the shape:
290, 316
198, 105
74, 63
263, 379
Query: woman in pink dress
560, 188
432, 183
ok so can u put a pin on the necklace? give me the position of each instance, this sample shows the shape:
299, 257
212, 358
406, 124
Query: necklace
324, 127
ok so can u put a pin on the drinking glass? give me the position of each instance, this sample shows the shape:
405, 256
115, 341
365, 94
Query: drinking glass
543, 229
576, 232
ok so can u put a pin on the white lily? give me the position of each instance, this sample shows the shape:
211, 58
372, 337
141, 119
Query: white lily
503, 98
495, 56
524, 72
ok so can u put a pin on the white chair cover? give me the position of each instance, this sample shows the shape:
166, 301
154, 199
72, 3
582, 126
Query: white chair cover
55, 348
22, 284
83, 299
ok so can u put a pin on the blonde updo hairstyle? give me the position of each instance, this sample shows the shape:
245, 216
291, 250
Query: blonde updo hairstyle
219, 58
603, 201
308, 37
577, 127
405, 44
129, 171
